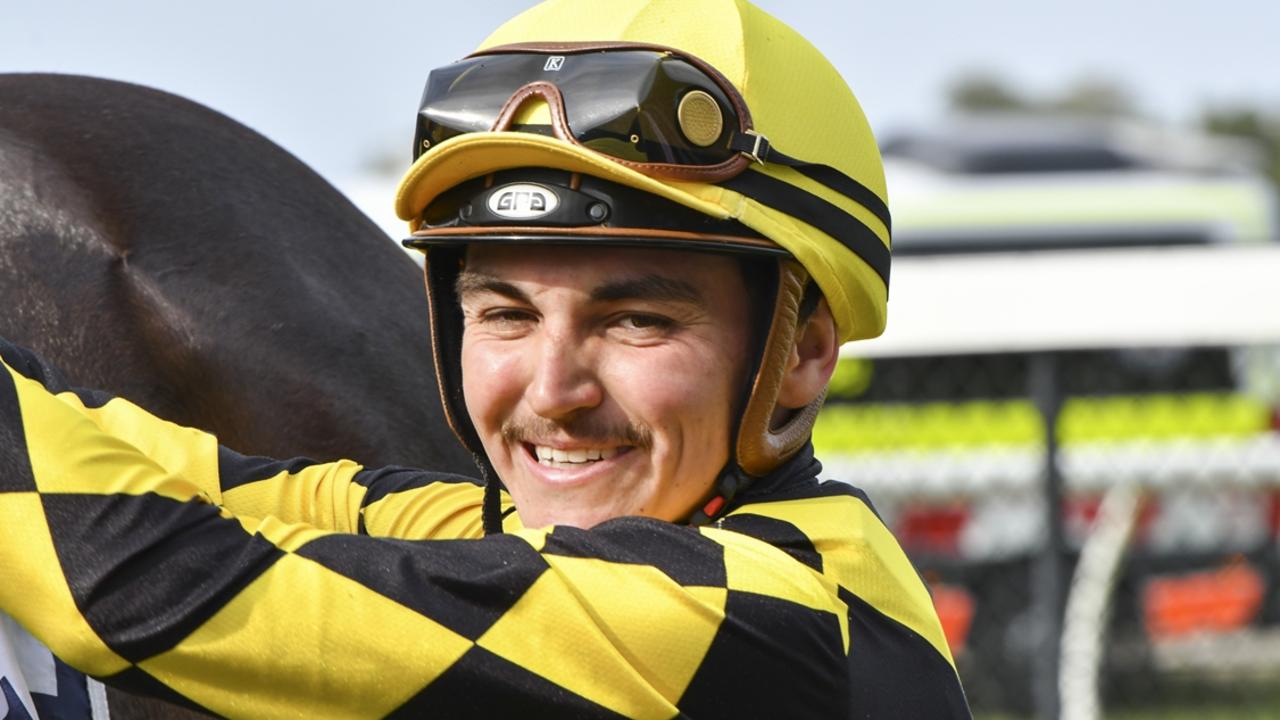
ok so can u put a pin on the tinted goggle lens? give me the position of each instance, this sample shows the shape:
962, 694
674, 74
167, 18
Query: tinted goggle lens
636, 105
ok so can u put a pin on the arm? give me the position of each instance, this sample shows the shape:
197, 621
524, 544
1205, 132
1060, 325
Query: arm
136, 575
341, 495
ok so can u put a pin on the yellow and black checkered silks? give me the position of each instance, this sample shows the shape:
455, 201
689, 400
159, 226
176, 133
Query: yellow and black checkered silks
146, 555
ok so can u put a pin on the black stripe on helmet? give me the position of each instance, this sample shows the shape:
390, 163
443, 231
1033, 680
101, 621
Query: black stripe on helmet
848, 187
830, 219
757, 146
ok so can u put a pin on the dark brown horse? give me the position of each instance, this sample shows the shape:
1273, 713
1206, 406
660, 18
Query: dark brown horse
158, 250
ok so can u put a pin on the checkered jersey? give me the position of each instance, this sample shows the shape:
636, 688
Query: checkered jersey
258, 589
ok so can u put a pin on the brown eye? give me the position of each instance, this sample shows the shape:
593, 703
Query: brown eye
504, 321
507, 315
641, 321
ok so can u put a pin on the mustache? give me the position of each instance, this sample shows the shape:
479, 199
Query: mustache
590, 429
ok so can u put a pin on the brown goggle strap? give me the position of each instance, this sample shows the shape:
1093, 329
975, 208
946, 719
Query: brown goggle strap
551, 95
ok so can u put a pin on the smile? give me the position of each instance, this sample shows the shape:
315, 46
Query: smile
555, 457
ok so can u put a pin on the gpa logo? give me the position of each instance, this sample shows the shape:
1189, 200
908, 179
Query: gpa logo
522, 201
553, 63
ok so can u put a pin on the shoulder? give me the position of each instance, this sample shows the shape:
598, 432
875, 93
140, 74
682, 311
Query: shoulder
763, 635
836, 532
899, 660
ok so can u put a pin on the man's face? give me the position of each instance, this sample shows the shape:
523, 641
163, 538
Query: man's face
602, 381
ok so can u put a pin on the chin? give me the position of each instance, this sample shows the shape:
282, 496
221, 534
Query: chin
583, 518
577, 519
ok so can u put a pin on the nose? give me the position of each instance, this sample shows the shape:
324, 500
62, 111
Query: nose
564, 380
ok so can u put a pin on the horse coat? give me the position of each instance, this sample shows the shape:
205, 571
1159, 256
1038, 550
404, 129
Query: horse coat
160, 251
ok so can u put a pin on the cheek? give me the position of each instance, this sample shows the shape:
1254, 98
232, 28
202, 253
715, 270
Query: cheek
491, 383
691, 391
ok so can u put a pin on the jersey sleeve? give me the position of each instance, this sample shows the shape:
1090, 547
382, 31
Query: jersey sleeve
141, 577
899, 659
337, 495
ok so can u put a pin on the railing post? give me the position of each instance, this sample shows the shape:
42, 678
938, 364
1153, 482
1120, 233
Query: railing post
1044, 386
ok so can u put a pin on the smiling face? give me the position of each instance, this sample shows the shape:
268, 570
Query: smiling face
602, 381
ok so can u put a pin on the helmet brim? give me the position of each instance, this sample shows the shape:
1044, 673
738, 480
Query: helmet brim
857, 295
474, 155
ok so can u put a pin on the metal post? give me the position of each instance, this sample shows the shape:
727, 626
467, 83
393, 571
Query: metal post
1047, 576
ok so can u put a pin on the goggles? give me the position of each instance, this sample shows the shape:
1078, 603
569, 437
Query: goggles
660, 112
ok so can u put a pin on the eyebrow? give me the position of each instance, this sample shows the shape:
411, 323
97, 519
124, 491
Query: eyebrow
473, 282
647, 287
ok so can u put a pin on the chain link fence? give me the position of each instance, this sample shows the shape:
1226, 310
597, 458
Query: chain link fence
1127, 565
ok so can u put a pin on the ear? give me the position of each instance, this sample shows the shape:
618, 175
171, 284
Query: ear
813, 359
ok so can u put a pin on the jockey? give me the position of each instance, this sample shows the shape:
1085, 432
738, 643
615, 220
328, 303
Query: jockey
648, 227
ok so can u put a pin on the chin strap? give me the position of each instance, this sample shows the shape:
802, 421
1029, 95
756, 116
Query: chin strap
491, 510
730, 481
441, 268
761, 448
733, 478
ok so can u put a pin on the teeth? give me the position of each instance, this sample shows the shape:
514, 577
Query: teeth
547, 455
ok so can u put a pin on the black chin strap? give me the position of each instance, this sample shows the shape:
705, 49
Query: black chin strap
732, 478
491, 512
729, 483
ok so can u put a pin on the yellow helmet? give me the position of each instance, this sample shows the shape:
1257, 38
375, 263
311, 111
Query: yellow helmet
710, 106
797, 100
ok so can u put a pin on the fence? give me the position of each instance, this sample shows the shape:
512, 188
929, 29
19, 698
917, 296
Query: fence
1125, 564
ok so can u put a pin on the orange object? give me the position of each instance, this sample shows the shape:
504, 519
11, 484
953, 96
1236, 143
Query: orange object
1215, 601
955, 606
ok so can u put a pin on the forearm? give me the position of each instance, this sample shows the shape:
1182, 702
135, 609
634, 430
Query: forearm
117, 565
322, 494
56, 466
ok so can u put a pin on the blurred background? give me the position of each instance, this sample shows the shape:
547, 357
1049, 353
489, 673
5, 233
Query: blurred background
1072, 421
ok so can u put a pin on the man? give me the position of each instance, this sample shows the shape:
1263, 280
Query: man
636, 301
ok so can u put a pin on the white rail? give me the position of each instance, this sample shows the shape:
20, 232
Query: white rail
1248, 462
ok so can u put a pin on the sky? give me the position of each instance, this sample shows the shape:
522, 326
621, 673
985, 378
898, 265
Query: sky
337, 83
